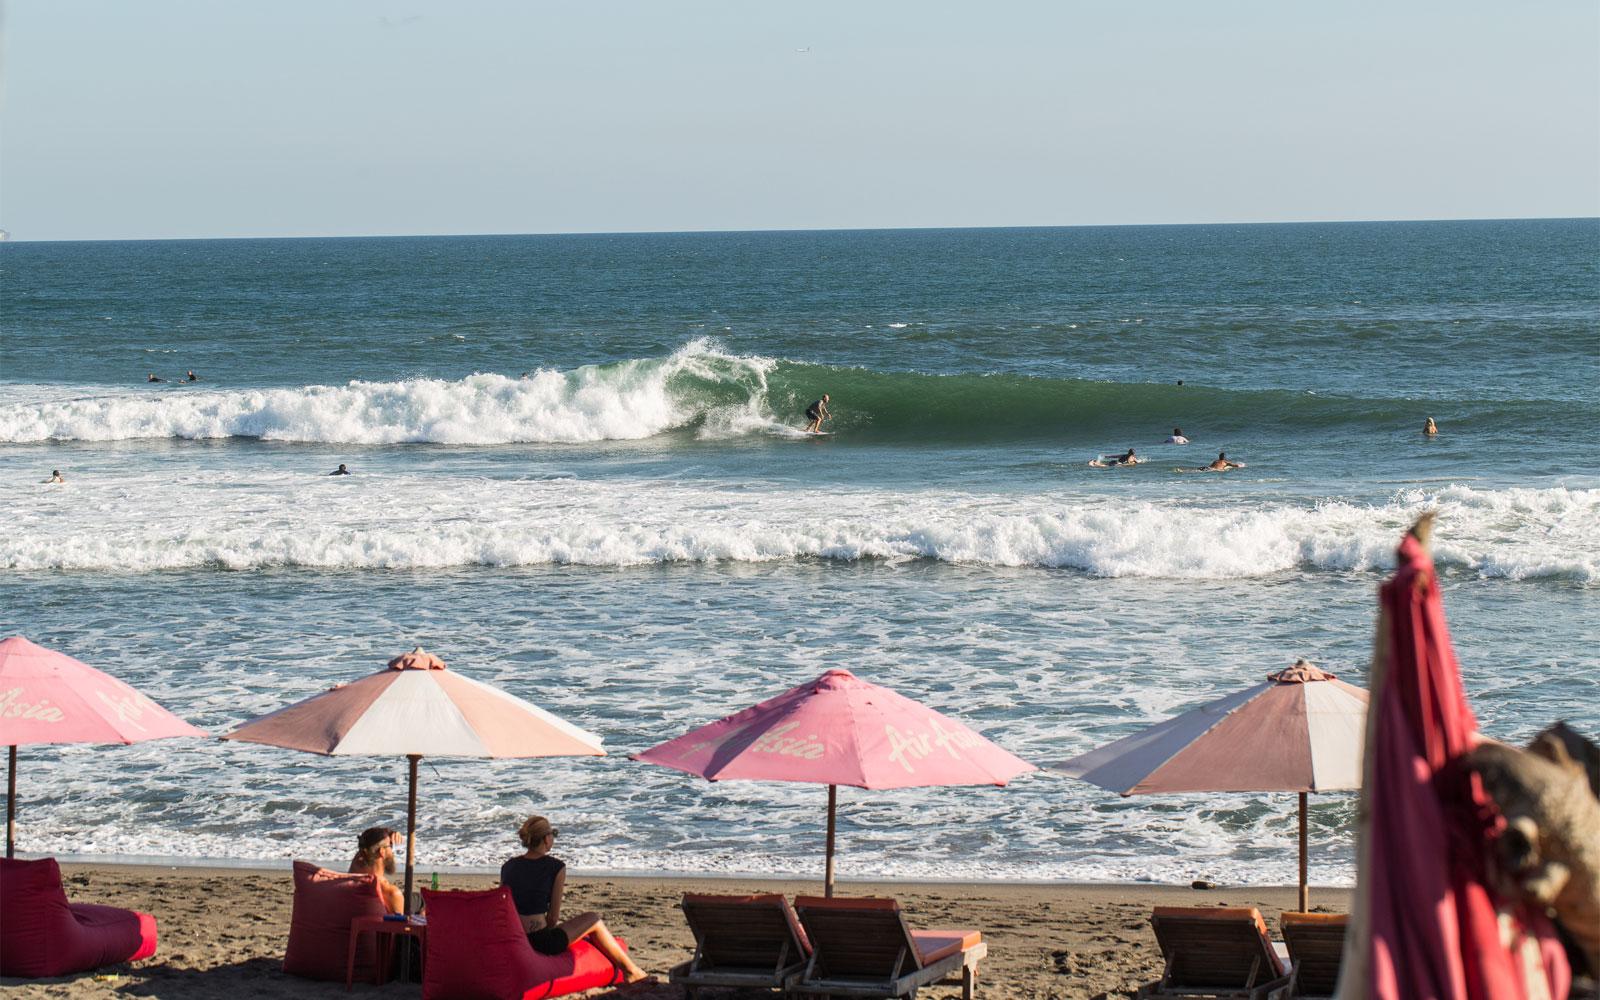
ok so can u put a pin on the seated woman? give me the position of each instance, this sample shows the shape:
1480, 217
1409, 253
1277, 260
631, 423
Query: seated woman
375, 856
537, 881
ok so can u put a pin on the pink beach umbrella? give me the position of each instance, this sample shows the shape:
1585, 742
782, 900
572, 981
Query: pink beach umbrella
48, 697
1300, 731
418, 708
839, 730
1431, 919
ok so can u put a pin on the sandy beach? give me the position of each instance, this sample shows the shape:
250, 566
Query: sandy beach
223, 931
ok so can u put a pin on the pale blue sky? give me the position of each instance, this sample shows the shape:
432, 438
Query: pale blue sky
159, 118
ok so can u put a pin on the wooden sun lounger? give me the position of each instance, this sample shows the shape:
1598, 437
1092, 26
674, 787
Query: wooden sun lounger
1221, 952
864, 948
1316, 945
752, 942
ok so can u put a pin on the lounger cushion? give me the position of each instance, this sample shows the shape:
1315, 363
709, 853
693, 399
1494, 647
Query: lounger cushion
325, 903
1223, 916
42, 934
477, 951
934, 945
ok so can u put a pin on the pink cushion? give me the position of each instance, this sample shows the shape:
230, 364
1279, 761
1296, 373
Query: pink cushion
319, 929
477, 951
41, 934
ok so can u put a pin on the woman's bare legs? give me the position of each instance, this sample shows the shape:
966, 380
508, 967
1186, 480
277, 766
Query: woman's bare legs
589, 925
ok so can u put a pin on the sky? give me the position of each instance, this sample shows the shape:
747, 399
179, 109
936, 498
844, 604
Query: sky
162, 119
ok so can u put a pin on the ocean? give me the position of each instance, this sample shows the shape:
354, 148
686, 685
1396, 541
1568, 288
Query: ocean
578, 475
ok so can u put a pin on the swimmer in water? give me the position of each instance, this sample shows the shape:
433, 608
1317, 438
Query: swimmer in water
1224, 463
191, 377
340, 471
153, 377
55, 476
1177, 437
816, 413
1430, 428
1126, 458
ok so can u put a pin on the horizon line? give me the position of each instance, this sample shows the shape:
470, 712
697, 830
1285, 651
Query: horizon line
11, 238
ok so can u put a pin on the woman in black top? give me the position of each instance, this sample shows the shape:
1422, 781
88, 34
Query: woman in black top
537, 881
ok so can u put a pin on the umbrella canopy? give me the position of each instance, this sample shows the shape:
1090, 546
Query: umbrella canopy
415, 708
1430, 919
839, 730
49, 697
1299, 731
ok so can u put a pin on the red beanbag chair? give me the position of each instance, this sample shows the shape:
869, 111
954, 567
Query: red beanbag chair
319, 929
477, 951
41, 934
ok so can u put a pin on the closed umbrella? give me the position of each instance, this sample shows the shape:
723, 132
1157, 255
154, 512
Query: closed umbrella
1431, 919
1300, 731
839, 730
48, 697
417, 708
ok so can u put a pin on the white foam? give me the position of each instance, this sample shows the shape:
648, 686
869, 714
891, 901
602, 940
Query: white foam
623, 401
249, 521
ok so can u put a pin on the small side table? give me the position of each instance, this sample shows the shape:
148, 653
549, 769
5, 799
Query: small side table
384, 933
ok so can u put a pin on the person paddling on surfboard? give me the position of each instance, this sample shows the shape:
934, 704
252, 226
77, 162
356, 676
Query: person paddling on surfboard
816, 413
1224, 463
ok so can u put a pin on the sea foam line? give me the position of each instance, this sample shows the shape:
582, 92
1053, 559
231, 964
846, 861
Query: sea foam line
282, 520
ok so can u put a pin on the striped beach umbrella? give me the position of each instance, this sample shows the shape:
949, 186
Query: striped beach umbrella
1302, 730
415, 708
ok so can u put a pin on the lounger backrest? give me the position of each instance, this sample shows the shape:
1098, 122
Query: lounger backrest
1316, 941
865, 938
754, 932
1215, 946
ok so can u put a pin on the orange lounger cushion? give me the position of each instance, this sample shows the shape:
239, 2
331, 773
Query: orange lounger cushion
934, 945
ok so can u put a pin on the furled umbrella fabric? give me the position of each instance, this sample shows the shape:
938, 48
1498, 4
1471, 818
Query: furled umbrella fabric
1299, 731
839, 730
1428, 919
417, 708
49, 697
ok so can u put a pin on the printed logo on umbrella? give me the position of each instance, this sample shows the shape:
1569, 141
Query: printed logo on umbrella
906, 747
13, 707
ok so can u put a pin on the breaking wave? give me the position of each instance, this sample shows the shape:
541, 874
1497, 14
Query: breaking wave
701, 389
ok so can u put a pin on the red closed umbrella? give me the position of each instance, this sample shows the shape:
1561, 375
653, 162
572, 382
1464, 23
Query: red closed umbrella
1429, 921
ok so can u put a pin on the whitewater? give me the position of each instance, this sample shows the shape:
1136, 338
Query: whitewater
398, 522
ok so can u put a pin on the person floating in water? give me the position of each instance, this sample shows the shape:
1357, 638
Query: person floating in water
1177, 437
1430, 428
340, 471
816, 413
1224, 463
1126, 458
55, 477
153, 377
191, 377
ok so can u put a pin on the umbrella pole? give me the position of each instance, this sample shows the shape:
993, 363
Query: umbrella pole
411, 827
1305, 893
11, 802
833, 807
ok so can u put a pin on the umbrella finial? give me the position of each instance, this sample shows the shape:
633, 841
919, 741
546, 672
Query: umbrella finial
1303, 672
417, 659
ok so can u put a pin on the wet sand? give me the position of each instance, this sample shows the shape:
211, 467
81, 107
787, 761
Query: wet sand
222, 931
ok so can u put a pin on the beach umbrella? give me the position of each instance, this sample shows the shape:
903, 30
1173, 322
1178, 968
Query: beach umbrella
1299, 731
1430, 919
417, 708
48, 697
839, 730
